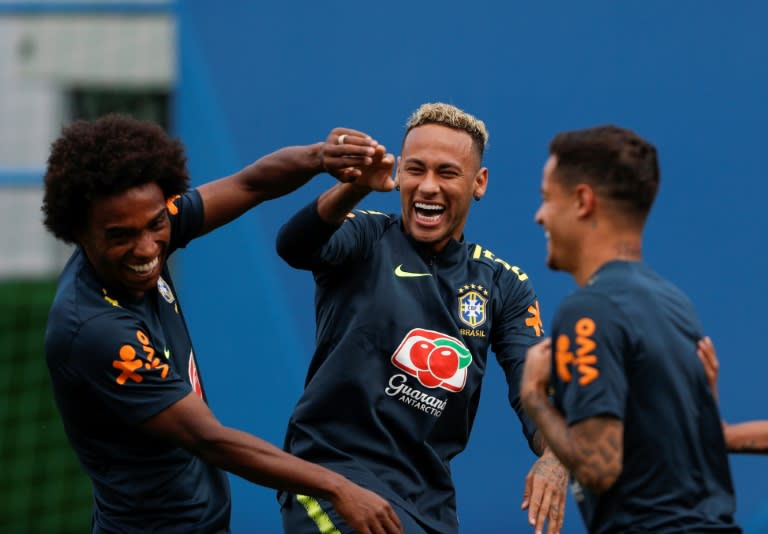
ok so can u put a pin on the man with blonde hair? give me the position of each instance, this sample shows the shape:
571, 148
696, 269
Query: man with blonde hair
406, 311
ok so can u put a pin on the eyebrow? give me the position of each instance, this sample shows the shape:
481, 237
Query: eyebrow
117, 228
443, 165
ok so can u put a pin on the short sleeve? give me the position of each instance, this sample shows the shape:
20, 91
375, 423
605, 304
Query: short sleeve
186, 215
589, 340
124, 369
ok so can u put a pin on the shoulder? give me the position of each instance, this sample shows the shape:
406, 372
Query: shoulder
367, 226
186, 213
637, 289
587, 311
361, 217
82, 314
505, 272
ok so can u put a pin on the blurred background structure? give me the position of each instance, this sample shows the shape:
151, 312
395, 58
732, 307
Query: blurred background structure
239, 79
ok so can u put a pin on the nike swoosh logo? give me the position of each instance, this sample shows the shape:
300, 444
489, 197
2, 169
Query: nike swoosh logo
405, 274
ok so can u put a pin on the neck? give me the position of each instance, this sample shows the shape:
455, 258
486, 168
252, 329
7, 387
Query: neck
626, 247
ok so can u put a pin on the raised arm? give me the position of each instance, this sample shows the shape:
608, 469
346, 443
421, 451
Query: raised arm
283, 171
309, 229
190, 424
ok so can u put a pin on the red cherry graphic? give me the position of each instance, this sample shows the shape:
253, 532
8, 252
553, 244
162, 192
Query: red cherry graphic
443, 362
426, 378
419, 353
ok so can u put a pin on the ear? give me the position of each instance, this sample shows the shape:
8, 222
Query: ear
480, 183
397, 174
586, 200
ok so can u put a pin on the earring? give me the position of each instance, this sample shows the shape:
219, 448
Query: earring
397, 187
477, 198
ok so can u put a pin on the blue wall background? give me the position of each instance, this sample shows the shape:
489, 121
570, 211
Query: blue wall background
692, 76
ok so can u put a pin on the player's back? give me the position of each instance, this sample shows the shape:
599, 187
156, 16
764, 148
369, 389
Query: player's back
675, 472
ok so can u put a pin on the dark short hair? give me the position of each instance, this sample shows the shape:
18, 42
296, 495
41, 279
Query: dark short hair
618, 163
104, 157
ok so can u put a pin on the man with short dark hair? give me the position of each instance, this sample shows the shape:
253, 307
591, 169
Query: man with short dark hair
633, 418
124, 374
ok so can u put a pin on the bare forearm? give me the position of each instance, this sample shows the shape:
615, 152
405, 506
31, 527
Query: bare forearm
262, 463
282, 171
539, 443
748, 437
274, 175
551, 429
591, 450
334, 204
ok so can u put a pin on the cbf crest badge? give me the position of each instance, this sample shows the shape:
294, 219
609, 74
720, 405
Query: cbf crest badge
473, 299
165, 290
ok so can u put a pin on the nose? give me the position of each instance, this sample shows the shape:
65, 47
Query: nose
537, 216
146, 246
429, 184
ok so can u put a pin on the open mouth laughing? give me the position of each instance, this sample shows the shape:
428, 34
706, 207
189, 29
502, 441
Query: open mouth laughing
144, 268
428, 213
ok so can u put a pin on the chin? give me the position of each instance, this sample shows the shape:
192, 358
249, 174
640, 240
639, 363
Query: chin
552, 263
141, 287
423, 236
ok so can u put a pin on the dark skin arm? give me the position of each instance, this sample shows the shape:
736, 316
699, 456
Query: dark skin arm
747, 437
190, 424
283, 171
335, 203
592, 449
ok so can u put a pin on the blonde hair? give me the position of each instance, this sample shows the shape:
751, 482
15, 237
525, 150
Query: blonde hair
452, 117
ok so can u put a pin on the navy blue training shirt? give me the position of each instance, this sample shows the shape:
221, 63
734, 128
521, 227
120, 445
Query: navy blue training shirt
402, 338
114, 362
625, 345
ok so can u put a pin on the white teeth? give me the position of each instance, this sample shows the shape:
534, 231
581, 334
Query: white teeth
546, 234
146, 267
434, 207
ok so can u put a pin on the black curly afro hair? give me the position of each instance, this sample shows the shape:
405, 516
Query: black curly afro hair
104, 157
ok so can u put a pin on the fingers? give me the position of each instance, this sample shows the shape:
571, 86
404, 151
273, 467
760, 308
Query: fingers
544, 511
706, 353
345, 149
348, 174
392, 523
556, 514
351, 136
545, 494
344, 141
527, 492
534, 505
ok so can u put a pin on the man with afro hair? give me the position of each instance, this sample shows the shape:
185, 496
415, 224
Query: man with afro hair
121, 362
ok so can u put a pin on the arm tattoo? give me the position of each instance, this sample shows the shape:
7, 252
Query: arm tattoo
598, 442
591, 449
749, 437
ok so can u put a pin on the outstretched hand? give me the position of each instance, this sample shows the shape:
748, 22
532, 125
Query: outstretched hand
366, 512
354, 157
708, 357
